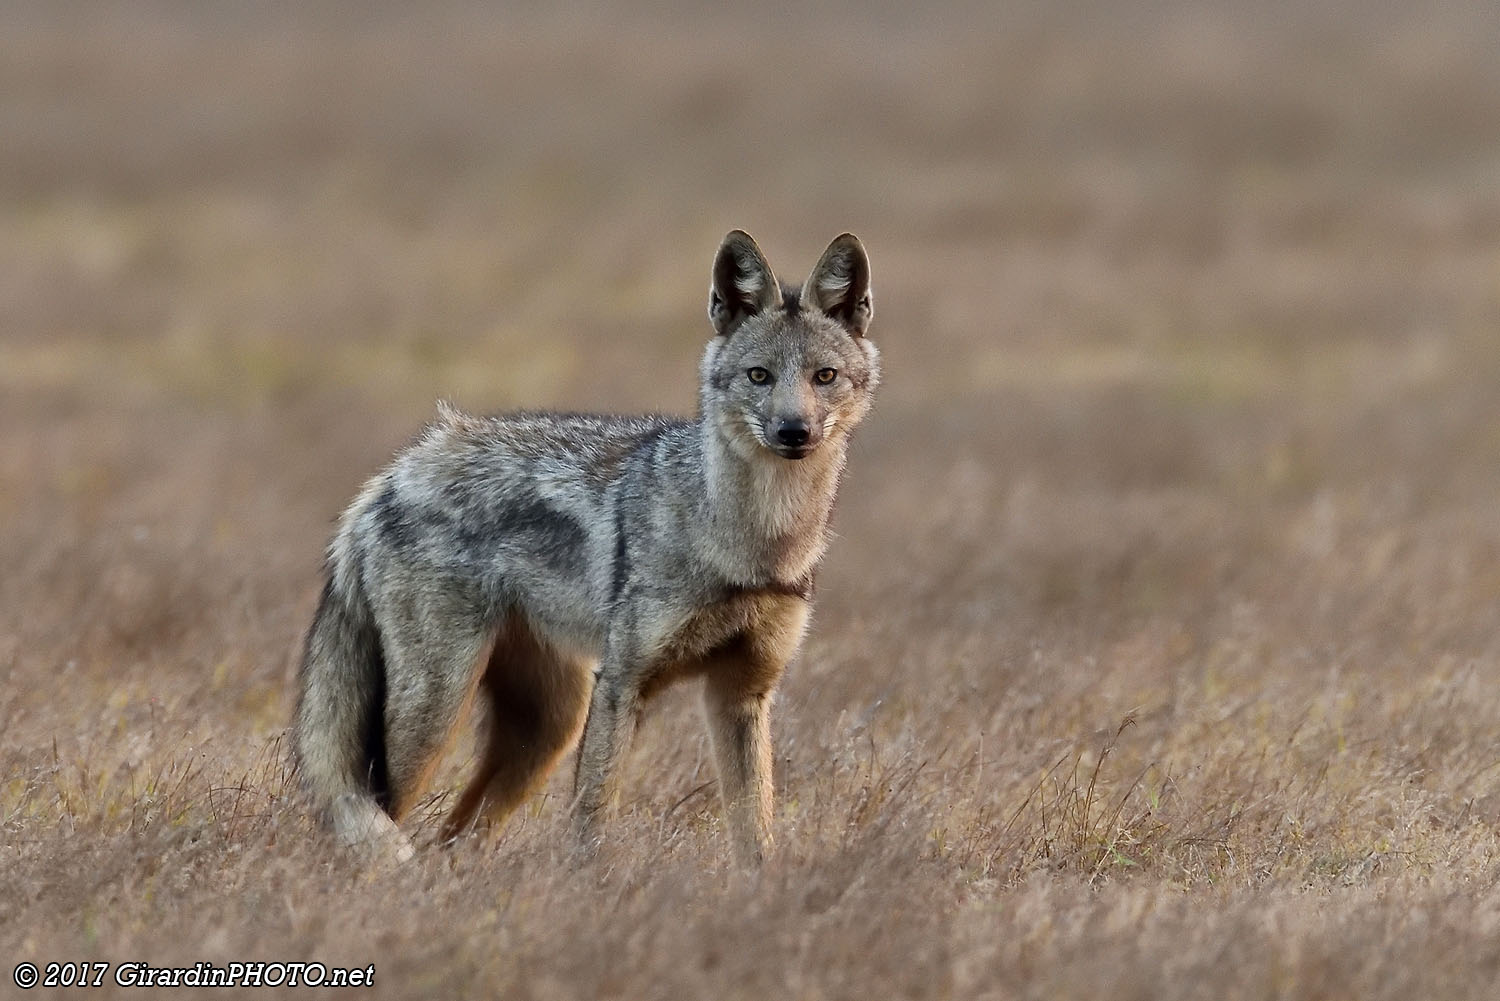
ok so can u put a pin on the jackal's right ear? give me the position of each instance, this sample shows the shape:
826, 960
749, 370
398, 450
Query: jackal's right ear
742, 284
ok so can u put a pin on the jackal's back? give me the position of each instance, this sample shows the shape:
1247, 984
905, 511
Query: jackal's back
514, 511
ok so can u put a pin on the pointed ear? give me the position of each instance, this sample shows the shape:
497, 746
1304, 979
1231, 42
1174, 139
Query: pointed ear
840, 285
742, 283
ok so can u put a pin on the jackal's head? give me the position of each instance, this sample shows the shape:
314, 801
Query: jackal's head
790, 369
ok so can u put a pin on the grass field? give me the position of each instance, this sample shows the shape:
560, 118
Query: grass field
1158, 654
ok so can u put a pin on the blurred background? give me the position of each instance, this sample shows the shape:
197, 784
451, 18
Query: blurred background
1244, 253
1190, 315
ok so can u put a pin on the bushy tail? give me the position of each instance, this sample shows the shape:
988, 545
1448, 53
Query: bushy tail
340, 732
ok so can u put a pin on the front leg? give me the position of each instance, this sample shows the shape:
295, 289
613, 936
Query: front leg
606, 736
737, 698
739, 725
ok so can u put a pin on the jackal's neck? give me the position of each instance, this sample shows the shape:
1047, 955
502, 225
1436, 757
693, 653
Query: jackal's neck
765, 518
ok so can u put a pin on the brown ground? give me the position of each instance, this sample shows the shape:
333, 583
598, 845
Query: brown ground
1158, 651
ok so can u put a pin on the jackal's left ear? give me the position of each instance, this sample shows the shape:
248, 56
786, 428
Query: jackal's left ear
840, 285
742, 284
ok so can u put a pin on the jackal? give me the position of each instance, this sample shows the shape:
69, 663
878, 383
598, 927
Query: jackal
563, 568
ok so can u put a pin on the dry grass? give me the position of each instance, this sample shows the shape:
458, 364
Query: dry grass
1158, 653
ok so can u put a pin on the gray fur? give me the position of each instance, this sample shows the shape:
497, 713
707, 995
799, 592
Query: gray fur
516, 558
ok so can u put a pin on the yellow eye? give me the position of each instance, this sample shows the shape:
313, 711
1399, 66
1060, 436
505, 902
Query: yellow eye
824, 376
759, 376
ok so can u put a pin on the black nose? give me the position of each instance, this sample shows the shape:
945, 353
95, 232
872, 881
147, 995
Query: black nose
793, 433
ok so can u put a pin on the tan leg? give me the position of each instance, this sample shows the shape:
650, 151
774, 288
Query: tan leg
536, 698
739, 725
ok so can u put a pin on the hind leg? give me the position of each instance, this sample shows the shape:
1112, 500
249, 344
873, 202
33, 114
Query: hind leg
435, 652
359, 821
537, 698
